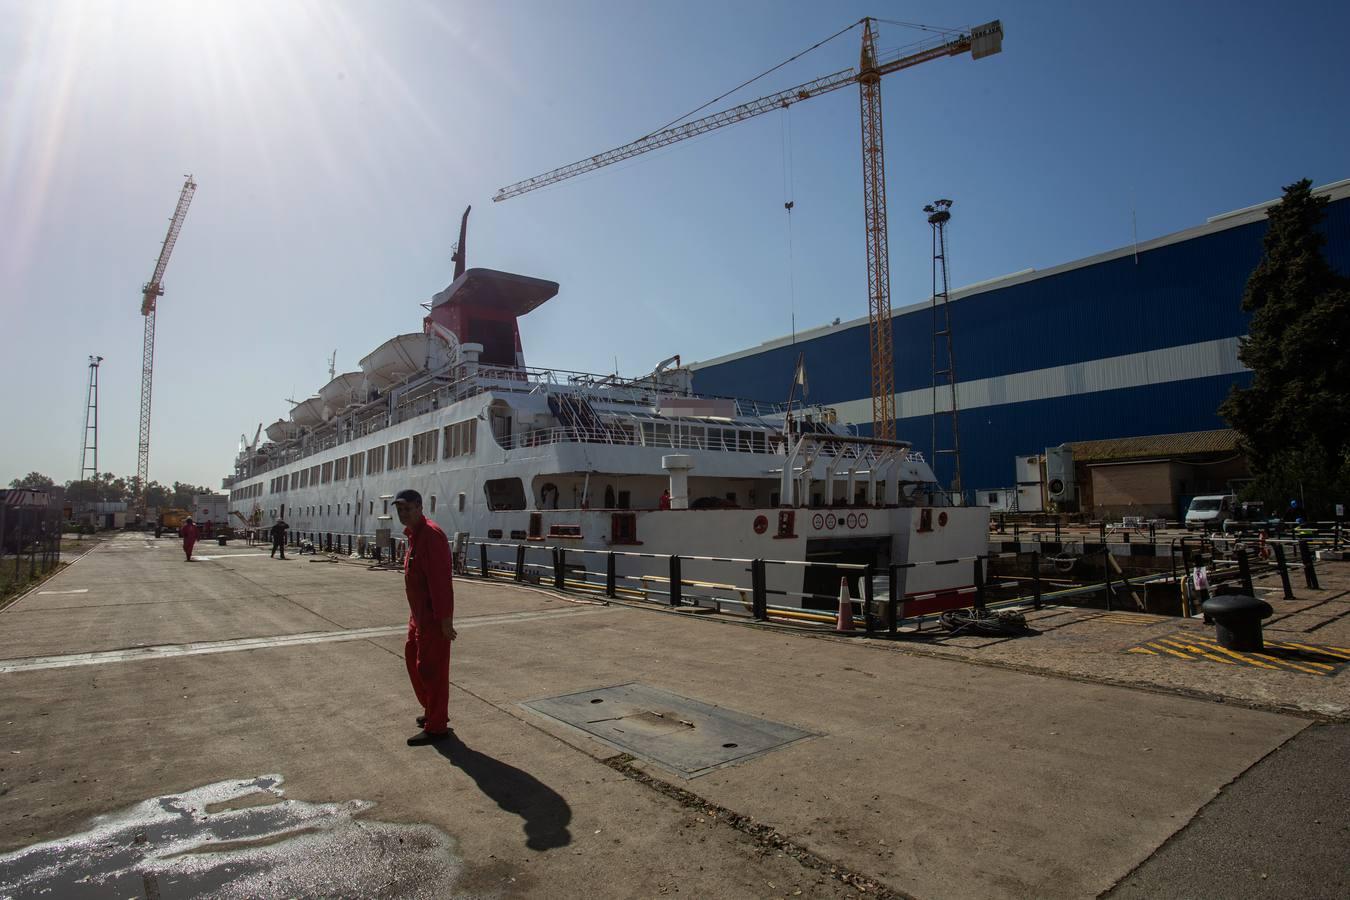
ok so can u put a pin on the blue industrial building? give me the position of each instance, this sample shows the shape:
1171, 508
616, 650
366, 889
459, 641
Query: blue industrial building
1137, 341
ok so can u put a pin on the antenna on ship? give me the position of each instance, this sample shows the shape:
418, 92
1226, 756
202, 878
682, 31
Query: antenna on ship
332, 366
461, 246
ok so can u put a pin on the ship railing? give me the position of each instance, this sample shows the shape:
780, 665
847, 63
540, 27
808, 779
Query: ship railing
629, 433
719, 583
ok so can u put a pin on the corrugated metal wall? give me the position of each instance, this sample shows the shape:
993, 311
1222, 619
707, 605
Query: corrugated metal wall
1182, 293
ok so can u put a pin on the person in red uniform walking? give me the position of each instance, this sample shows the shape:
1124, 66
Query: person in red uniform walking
431, 604
189, 535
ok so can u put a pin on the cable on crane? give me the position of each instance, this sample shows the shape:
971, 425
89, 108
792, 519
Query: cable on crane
756, 78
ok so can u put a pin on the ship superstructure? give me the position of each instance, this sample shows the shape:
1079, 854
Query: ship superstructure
509, 453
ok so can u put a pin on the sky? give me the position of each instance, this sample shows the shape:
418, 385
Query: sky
336, 143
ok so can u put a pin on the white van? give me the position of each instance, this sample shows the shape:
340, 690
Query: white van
1209, 513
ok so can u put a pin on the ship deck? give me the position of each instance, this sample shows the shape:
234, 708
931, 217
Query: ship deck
133, 676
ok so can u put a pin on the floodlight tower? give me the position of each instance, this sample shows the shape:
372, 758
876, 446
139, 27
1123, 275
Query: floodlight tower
944, 356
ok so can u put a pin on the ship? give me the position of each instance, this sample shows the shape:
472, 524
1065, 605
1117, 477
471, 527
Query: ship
509, 455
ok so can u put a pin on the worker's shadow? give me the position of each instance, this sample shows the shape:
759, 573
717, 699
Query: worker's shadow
545, 812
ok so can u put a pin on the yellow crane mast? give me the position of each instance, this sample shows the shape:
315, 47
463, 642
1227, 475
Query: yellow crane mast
981, 41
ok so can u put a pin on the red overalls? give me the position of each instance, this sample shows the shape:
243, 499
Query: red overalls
431, 599
189, 535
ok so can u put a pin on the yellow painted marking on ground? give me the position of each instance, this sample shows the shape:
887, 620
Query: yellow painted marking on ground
1327, 651
1292, 665
1142, 650
1192, 648
1243, 657
1169, 650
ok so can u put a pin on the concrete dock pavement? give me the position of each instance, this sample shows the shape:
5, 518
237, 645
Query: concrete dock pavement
917, 776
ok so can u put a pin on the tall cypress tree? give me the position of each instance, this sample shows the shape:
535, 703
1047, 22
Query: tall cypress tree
1294, 419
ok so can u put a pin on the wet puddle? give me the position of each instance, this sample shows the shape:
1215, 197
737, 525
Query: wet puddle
236, 839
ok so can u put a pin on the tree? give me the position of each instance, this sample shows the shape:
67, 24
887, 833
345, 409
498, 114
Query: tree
183, 493
32, 480
1291, 419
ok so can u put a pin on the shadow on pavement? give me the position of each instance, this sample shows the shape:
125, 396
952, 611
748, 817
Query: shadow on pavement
545, 812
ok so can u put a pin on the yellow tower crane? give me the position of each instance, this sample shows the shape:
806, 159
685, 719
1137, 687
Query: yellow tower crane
981, 41
150, 294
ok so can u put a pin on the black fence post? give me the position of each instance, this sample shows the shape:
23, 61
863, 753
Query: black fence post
676, 588
1017, 531
1283, 565
759, 591
1309, 570
1101, 527
1245, 570
611, 575
893, 602
979, 583
1106, 569
520, 562
1036, 579
559, 568
867, 598
483, 560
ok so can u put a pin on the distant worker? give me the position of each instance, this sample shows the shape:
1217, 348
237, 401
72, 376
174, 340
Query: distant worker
665, 499
278, 532
189, 535
430, 588
1294, 513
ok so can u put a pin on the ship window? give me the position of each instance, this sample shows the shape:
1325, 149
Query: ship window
398, 454
375, 461
358, 464
625, 499
386, 507
340, 469
433, 496
744, 439
304, 478
757, 441
505, 493
349, 509
424, 447
461, 503
327, 473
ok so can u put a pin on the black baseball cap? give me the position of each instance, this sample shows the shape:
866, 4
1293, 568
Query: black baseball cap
408, 496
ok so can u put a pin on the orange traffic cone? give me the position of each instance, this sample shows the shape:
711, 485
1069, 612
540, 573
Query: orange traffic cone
843, 624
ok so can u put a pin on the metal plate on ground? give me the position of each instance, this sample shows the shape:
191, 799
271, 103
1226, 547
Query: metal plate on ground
679, 733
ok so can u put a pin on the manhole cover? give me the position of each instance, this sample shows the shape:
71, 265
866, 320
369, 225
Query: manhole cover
683, 735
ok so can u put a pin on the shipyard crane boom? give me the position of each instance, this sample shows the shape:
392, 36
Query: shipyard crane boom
150, 294
982, 41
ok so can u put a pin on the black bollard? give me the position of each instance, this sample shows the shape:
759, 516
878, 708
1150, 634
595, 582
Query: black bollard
1036, 579
1283, 566
759, 592
676, 585
1245, 569
1309, 570
520, 562
611, 575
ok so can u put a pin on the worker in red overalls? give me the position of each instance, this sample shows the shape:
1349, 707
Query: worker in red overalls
431, 603
189, 535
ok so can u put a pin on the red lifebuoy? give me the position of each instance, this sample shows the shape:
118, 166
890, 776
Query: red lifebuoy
761, 524
942, 519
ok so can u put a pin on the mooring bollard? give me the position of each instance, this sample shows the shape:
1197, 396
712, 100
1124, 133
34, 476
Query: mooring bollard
482, 560
559, 568
759, 590
520, 562
676, 588
1309, 570
611, 575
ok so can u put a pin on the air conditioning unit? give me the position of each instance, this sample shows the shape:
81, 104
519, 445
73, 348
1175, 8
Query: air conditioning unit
1059, 482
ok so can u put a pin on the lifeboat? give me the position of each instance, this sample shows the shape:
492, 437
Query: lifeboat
308, 413
396, 359
281, 430
341, 393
